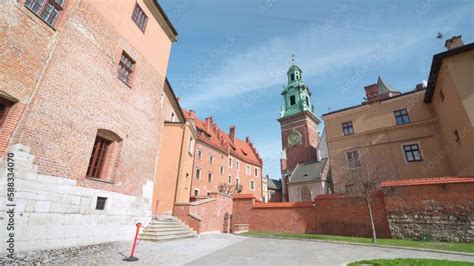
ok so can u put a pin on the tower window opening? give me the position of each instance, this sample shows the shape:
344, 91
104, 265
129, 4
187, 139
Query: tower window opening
292, 100
292, 77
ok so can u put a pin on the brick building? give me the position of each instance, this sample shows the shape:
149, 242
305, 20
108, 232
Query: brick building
426, 132
223, 162
303, 172
82, 98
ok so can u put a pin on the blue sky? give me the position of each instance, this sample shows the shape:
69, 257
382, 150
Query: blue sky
232, 56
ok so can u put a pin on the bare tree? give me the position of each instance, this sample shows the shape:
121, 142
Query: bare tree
226, 188
361, 178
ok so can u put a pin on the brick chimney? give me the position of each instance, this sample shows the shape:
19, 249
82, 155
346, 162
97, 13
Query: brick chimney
420, 86
192, 114
454, 42
208, 124
372, 92
232, 133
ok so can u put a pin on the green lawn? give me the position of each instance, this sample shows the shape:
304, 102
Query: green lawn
447, 246
410, 262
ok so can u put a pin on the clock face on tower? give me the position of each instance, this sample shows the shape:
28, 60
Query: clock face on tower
294, 138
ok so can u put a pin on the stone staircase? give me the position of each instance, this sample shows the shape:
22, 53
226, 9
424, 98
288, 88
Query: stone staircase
166, 228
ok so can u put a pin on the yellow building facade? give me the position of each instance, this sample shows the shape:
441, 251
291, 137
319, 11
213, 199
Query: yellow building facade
426, 132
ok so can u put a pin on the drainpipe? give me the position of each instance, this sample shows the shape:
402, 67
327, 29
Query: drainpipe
179, 165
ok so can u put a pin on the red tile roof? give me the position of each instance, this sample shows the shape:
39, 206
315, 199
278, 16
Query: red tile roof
210, 133
428, 181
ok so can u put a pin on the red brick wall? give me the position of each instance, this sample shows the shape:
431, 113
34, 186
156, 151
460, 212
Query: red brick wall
306, 151
274, 217
333, 215
80, 94
210, 213
348, 216
442, 209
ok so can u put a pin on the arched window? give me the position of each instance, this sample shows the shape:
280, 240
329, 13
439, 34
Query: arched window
104, 155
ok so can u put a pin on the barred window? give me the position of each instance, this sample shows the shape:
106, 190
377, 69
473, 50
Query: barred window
47, 10
139, 17
125, 68
100, 203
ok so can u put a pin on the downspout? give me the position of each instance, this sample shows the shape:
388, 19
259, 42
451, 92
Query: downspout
179, 164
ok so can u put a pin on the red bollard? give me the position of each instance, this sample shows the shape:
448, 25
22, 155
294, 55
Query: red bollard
132, 258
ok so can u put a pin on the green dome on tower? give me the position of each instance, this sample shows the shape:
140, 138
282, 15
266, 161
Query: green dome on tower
296, 94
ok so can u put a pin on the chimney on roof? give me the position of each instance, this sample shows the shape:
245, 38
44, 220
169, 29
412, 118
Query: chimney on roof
178, 99
420, 86
208, 124
247, 139
192, 114
454, 42
232, 133
372, 92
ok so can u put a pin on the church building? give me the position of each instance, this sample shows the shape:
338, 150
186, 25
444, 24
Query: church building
304, 162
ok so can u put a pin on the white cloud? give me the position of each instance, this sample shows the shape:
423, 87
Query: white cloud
265, 65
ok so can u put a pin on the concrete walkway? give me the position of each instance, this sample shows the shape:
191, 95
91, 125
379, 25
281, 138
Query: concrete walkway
224, 249
262, 251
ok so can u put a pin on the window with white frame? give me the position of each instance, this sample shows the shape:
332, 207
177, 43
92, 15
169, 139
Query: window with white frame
252, 185
229, 179
230, 162
199, 154
221, 170
192, 142
237, 164
211, 159
196, 192
256, 171
198, 173
247, 169
209, 177
412, 153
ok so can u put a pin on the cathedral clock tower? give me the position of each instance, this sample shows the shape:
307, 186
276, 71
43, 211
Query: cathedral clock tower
299, 124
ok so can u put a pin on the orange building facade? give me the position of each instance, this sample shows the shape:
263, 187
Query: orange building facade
223, 162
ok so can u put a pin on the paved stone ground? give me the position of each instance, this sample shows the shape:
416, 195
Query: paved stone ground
223, 249
177, 252
262, 251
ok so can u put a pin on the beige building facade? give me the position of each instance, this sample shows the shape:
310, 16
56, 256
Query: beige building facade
426, 132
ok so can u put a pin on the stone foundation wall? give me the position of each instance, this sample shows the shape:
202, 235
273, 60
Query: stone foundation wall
53, 212
441, 212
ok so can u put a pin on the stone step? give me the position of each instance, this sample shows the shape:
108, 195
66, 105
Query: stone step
166, 233
167, 237
165, 225
165, 222
166, 229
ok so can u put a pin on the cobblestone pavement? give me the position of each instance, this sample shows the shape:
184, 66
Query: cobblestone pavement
261, 251
220, 249
177, 252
